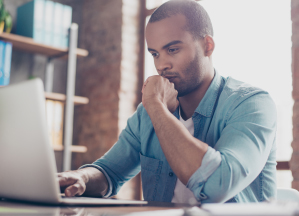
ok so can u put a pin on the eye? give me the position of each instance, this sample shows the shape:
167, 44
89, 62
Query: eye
173, 50
155, 55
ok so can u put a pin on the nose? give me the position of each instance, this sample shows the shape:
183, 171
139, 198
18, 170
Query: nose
162, 64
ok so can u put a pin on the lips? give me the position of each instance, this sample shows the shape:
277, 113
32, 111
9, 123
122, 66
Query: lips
170, 78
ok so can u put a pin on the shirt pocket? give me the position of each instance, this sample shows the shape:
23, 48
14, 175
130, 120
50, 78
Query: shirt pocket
150, 176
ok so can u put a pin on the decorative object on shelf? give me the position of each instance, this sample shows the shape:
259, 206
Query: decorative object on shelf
5, 62
45, 21
5, 19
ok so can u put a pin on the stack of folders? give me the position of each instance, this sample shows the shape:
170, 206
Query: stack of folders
55, 113
45, 21
5, 62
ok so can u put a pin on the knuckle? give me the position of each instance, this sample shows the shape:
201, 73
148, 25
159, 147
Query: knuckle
62, 178
80, 188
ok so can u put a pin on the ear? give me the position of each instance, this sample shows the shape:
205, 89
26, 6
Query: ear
209, 45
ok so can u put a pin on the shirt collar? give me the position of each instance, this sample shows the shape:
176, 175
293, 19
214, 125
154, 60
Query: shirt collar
206, 105
208, 102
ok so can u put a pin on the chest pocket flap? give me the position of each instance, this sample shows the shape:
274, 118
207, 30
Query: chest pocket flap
150, 164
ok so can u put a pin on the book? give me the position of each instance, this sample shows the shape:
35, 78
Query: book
67, 21
2, 51
58, 123
50, 119
7, 62
48, 22
55, 115
57, 24
30, 20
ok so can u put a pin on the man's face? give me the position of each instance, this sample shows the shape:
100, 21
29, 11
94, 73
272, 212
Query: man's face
177, 55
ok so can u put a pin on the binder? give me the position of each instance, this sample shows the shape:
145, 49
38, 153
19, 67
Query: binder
2, 53
57, 24
7, 62
30, 20
55, 114
67, 21
58, 123
50, 119
48, 22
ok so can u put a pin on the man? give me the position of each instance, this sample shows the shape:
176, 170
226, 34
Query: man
196, 136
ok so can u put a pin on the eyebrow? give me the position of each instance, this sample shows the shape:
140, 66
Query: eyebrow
167, 45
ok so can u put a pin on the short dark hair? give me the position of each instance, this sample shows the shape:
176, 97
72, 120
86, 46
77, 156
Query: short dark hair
198, 20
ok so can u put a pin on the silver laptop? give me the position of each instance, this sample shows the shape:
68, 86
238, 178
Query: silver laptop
27, 161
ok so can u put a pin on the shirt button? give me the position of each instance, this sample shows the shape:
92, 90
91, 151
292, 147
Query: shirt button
170, 174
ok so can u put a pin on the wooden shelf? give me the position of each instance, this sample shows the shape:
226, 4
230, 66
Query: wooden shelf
29, 45
74, 148
78, 100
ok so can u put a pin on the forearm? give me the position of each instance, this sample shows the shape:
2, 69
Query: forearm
96, 182
183, 152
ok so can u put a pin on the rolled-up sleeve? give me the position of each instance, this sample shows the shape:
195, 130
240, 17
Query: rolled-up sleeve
109, 191
210, 162
241, 151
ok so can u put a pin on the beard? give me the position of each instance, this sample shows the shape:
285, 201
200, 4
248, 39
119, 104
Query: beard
193, 77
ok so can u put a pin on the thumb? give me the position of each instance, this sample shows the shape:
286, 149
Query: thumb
75, 189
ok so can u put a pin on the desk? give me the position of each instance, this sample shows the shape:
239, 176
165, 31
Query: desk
231, 209
17, 208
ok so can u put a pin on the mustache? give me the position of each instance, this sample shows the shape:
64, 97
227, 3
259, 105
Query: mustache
169, 73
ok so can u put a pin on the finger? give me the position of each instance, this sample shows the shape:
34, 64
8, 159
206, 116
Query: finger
144, 84
59, 174
66, 180
75, 189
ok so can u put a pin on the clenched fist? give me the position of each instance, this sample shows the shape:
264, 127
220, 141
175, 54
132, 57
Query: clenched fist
159, 89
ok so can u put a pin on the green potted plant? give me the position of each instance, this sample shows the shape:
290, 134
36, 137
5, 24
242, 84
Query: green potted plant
5, 19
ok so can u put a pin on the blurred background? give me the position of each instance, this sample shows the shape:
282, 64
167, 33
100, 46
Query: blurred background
253, 44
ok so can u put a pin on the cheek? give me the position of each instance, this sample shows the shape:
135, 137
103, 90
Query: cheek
183, 63
183, 60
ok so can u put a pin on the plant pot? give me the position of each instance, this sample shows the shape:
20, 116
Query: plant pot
1, 26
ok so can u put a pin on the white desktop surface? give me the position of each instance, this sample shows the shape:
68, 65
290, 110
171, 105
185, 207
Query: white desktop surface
232, 209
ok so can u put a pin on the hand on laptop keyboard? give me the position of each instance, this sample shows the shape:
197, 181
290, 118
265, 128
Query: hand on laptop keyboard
72, 183
88, 181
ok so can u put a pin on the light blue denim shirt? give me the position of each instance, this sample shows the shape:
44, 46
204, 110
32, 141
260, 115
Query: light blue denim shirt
236, 120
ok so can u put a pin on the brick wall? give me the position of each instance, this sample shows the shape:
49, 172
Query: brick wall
108, 77
98, 78
294, 163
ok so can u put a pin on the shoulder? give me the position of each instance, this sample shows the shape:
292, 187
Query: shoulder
237, 91
236, 94
235, 88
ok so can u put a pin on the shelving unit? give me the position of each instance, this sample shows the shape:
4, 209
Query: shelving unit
78, 149
78, 100
29, 45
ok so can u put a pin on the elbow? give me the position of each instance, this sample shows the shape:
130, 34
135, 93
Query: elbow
224, 184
